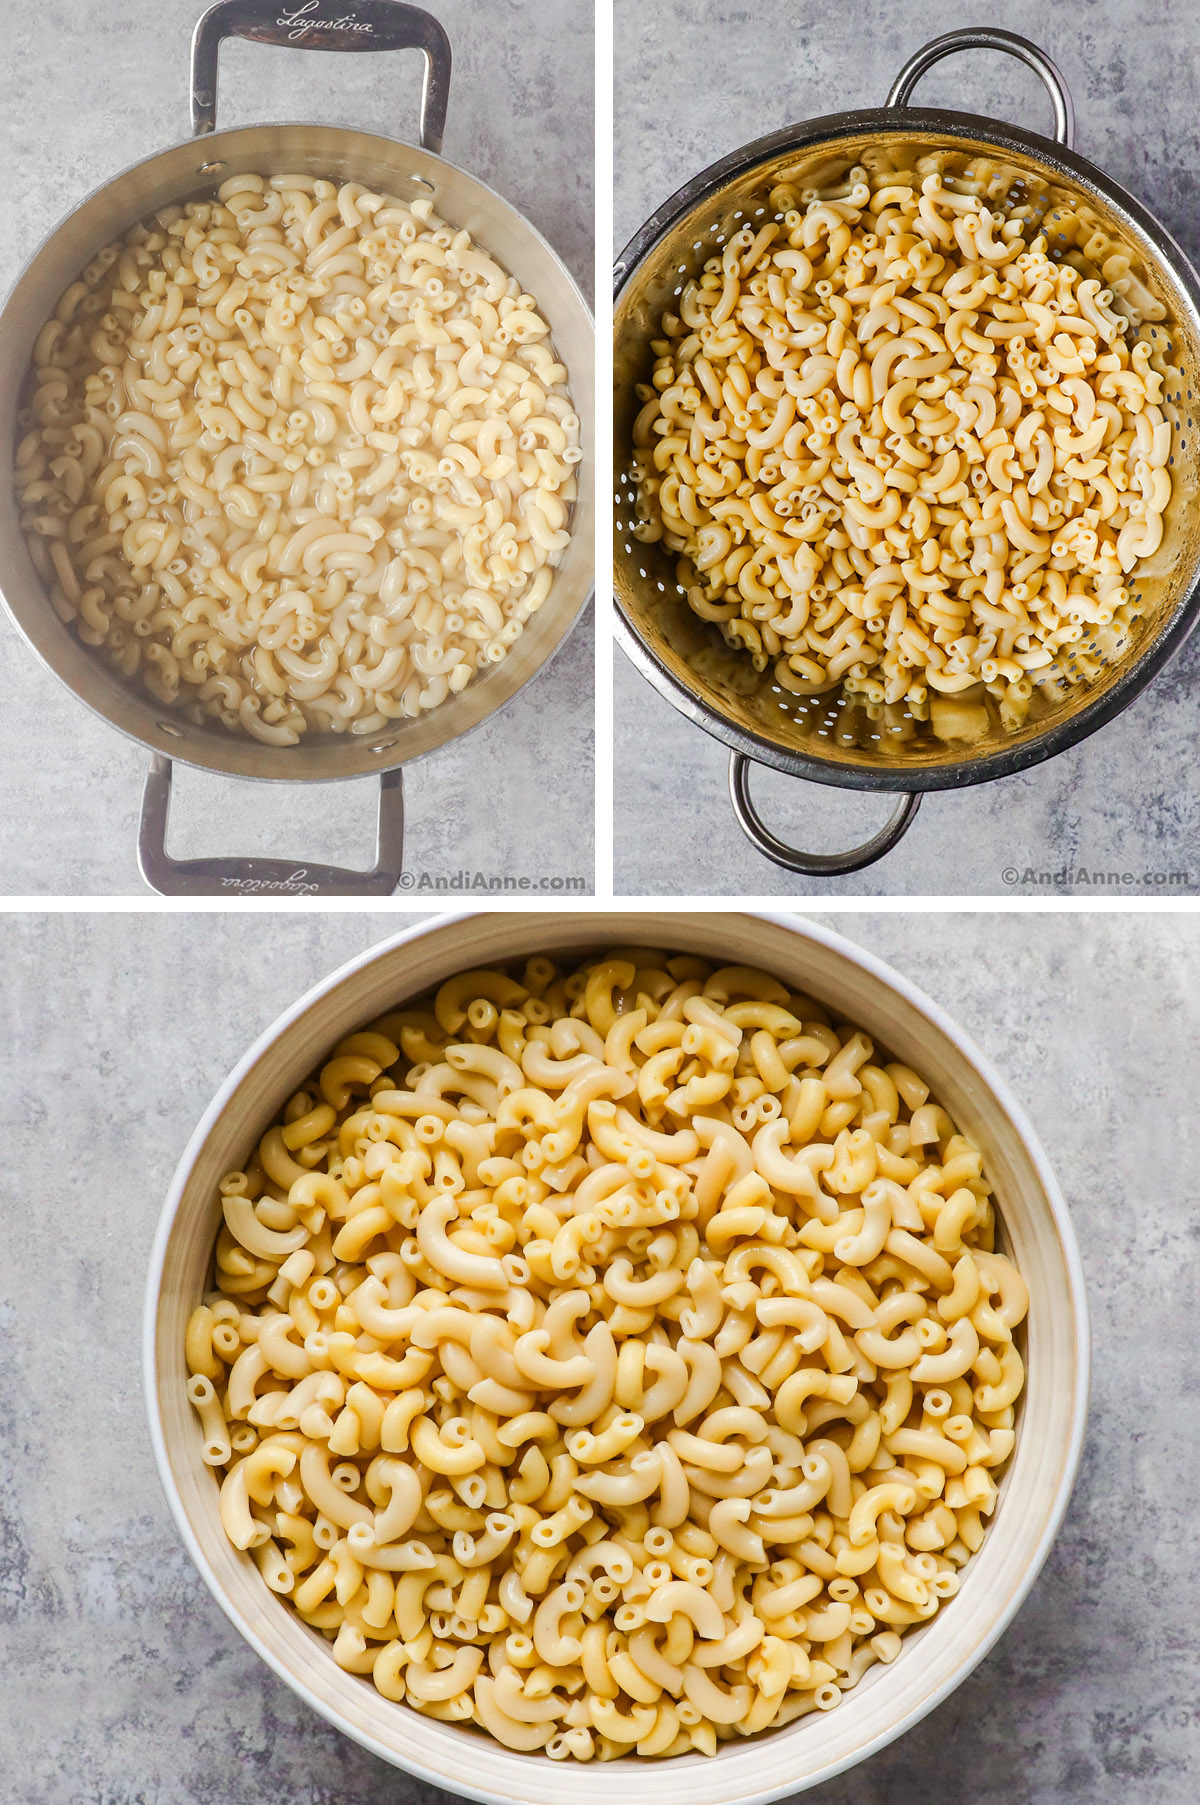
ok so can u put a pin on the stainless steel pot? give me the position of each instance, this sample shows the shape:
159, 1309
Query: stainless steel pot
829, 738
194, 169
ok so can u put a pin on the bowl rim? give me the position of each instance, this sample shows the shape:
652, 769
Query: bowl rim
1160, 648
804, 928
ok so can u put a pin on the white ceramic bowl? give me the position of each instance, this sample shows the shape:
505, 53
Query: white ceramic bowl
1034, 1490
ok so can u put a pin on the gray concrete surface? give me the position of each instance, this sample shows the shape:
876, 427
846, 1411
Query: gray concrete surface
83, 92
694, 80
123, 1682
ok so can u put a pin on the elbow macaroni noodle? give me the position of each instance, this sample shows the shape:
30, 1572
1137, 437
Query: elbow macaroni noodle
901, 450
627, 1375
300, 458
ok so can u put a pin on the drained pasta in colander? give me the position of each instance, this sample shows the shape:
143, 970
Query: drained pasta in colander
903, 451
619, 1359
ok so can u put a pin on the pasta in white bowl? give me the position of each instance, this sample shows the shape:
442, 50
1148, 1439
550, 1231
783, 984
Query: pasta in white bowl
439, 1744
617, 1358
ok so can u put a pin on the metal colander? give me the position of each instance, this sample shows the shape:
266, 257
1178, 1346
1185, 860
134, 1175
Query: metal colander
833, 738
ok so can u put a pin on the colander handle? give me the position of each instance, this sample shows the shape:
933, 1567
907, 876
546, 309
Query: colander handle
323, 25
812, 864
990, 37
266, 877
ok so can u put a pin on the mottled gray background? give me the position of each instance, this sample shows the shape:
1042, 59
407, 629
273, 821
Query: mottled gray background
123, 1682
85, 90
694, 80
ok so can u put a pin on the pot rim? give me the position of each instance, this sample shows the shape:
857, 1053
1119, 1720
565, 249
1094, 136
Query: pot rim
589, 923
209, 148
1159, 650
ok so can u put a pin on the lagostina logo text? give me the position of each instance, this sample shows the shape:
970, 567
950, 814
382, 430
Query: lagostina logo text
303, 18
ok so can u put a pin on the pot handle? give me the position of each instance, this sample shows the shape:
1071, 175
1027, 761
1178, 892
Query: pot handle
990, 37
323, 25
812, 864
265, 877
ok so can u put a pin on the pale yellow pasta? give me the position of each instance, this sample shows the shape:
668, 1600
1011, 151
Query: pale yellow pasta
905, 453
607, 1422
300, 458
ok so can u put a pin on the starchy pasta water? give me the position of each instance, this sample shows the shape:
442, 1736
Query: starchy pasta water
300, 458
618, 1359
903, 451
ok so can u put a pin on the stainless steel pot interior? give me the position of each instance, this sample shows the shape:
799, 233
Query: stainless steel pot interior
195, 169
1090, 222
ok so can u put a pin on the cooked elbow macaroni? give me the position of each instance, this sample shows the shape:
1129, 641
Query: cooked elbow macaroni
300, 458
619, 1360
902, 451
